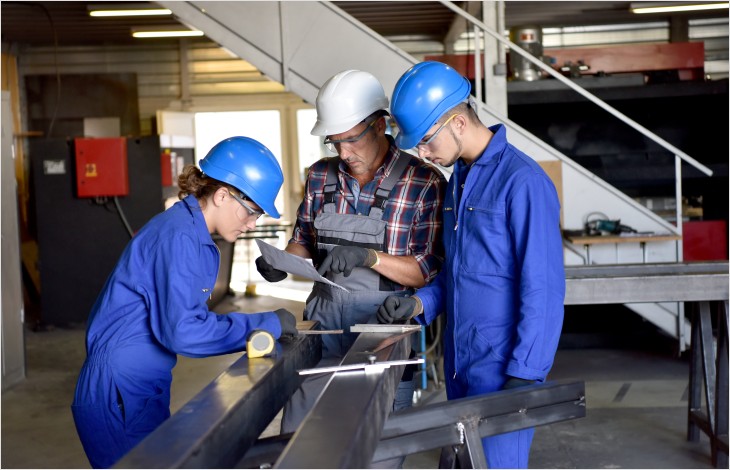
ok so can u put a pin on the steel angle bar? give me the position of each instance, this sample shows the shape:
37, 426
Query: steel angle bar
343, 428
217, 427
433, 426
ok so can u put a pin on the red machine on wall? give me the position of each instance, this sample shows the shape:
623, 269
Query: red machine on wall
101, 167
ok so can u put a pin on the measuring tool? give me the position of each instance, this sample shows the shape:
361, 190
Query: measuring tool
259, 344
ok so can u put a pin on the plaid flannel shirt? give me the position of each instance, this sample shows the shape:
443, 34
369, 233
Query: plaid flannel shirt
413, 212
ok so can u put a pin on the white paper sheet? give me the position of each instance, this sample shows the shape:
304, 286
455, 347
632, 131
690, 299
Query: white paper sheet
293, 264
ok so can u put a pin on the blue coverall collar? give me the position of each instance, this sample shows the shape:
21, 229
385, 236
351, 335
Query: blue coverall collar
193, 206
493, 153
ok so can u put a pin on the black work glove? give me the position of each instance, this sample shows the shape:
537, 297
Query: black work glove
397, 309
343, 259
288, 322
269, 272
514, 382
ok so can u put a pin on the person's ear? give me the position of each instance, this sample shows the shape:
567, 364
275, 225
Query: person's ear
219, 196
380, 125
460, 123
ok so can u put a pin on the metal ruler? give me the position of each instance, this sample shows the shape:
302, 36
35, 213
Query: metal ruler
383, 328
368, 367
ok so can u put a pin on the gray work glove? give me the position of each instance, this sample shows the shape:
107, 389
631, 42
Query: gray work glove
343, 259
269, 272
515, 382
288, 322
397, 309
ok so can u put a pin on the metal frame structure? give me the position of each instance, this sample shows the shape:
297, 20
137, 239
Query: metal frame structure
462, 423
457, 425
351, 426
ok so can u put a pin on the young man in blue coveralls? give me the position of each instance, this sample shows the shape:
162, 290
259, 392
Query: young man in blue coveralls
502, 285
153, 305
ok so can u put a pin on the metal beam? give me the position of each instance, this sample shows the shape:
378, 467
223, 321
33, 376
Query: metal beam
668, 282
217, 427
343, 428
433, 426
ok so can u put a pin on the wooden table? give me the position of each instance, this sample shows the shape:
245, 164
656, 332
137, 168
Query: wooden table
588, 240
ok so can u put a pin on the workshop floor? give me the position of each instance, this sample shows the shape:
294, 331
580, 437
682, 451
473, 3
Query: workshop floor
636, 401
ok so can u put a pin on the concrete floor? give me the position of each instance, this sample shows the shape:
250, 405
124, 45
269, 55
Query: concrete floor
636, 403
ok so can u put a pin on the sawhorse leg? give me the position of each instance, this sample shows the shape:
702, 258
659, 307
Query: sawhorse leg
709, 370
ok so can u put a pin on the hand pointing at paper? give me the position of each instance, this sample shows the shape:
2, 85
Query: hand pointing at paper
286, 262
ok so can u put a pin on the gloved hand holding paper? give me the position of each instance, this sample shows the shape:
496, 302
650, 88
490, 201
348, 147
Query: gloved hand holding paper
290, 263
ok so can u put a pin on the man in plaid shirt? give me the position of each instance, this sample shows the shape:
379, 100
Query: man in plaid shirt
370, 220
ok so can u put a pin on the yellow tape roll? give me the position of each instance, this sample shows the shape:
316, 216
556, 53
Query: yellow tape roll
259, 343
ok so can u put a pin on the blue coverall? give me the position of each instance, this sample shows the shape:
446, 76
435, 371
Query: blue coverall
503, 283
152, 307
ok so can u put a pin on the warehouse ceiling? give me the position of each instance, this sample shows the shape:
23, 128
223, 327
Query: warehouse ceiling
68, 23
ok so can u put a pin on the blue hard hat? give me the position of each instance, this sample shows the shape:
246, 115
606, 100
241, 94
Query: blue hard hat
248, 166
422, 95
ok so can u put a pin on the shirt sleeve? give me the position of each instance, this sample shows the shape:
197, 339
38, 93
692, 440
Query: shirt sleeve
432, 298
426, 235
181, 320
304, 233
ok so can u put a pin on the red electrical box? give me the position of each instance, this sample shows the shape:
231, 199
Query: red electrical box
101, 167
704, 240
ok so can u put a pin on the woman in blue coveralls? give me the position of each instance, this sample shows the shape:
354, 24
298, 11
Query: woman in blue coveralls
153, 305
503, 283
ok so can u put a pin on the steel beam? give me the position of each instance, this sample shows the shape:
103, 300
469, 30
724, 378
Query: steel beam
343, 428
217, 427
668, 282
433, 426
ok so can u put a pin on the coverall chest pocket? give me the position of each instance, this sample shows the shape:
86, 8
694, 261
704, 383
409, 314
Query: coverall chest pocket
487, 238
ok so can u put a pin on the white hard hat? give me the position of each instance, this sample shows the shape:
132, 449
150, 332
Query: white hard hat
345, 100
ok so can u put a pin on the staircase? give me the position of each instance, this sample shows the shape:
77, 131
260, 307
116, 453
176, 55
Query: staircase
302, 44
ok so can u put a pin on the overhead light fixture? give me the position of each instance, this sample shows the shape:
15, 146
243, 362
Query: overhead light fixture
168, 31
127, 9
675, 7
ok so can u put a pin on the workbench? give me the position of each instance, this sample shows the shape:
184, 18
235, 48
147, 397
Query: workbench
703, 287
642, 239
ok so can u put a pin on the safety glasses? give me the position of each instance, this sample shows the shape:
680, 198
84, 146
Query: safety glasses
332, 144
251, 211
424, 143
